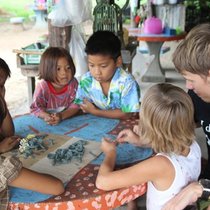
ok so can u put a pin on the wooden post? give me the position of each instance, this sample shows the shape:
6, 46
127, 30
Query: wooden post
149, 9
59, 36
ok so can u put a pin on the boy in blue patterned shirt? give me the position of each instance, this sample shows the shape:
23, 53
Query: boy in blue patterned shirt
107, 90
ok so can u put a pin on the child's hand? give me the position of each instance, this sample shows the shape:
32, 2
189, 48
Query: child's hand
129, 136
55, 119
46, 117
108, 145
8, 143
136, 129
87, 107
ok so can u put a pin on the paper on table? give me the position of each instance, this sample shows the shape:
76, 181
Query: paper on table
66, 171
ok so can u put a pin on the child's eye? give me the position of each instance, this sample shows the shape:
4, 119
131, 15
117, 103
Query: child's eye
103, 66
68, 68
58, 68
91, 65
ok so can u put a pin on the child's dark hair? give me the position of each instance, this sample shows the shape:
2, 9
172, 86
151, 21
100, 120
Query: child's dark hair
104, 43
5, 68
49, 62
3, 109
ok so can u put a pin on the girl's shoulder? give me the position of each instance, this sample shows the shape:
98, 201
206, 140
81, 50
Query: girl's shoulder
159, 162
42, 83
154, 168
74, 81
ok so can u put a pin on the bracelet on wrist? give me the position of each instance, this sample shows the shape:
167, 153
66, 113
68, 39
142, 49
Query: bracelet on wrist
60, 116
205, 184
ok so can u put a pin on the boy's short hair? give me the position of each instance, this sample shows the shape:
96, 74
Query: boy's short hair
193, 53
49, 62
104, 43
3, 110
166, 119
5, 68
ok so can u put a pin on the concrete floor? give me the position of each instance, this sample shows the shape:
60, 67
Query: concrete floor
175, 78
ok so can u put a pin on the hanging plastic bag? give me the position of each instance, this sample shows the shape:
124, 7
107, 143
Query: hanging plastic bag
79, 10
70, 12
77, 51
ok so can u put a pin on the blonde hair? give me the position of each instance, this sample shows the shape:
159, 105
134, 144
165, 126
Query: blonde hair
166, 119
193, 53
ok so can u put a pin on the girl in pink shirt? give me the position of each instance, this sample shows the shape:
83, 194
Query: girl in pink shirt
54, 95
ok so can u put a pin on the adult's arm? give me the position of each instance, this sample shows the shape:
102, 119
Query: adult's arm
187, 196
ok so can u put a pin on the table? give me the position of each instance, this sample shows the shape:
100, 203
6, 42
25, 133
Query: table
30, 70
81, 192
155, 73
41, 18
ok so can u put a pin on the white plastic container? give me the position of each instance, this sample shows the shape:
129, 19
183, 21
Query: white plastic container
158, 2
172, 1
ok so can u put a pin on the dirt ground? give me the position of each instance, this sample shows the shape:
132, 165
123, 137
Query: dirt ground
14, 37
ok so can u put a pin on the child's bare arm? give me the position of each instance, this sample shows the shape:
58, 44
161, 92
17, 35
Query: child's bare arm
69, 113
114, 113
42, 183
8, 143
108, 164
129, 136
88, 107
7, 127
147, 170
56, 118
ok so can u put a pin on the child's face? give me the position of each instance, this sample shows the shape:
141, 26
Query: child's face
63, 74
102, 67
3, 79
200, 85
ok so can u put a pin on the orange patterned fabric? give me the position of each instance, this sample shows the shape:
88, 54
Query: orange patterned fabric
124, 124
81, 192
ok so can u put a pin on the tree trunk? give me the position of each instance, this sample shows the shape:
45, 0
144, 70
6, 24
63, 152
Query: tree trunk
59, 36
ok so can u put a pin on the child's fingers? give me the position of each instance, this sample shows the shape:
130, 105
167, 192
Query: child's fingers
110, 141
120, 140
136, 129
122, 135
123, 132
13, 140
83, 106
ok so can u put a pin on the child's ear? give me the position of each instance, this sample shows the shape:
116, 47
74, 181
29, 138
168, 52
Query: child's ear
208, 77
119, 61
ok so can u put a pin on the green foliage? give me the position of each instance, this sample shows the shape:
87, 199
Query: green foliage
19, 8
197, 11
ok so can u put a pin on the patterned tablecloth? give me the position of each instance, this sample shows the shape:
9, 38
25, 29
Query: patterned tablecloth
81, 192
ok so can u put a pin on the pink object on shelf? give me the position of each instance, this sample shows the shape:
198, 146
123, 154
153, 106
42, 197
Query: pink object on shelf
153, 25
40, 1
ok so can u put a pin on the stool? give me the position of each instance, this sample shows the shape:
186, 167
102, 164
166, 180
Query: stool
18, 21
126, 60
144, 50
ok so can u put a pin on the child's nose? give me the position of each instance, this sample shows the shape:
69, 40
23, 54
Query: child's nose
63, 71
189, 85
97, 71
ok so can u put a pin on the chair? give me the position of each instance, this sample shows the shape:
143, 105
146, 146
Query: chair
108, 16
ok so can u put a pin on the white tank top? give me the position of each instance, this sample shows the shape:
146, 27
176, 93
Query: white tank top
187, 169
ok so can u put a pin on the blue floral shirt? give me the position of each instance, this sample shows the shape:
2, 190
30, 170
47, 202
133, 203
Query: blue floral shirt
124, 92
